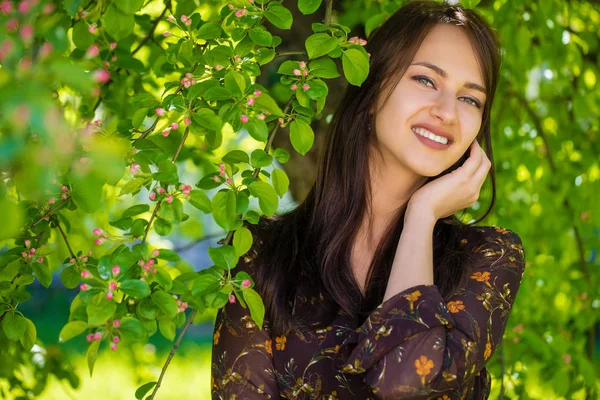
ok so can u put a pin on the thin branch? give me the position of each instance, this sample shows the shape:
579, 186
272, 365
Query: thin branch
185, 135
150, 222
290, 53
153, 28
195, 242
328, 10
49, 212
65, 238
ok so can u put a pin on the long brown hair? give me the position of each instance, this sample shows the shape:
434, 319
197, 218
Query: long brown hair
308, 249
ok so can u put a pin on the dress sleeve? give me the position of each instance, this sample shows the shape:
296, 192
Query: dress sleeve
415, 345
242, 356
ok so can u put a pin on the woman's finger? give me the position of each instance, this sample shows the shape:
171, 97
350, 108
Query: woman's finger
472, 163
481, 174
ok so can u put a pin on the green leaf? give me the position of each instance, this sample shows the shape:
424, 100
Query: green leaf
82, 38
223, 209
129, 6
135, 210
242, 241
267, 197
142, 390
30, 336
278, 15
167, 172
162, 226
319, 44
318, 89
132, 186
117, 24
167, 328
217, 93
132, 328
236, 156
43, 273
163, 278
13, 325
146, 309
100, 311
71, 330
323, 68
280, 181
301, 136
356, 66
234, 81
70, 277
266, 102
209, 31
165, 302
264, 55
308, 6
92, 354
259, 159
257, 129
256, 306
169, 255
206, 118
135, 288
200, 200
261, 36
205, 283
223, 256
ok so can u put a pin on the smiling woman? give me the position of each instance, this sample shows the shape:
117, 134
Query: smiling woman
373, 287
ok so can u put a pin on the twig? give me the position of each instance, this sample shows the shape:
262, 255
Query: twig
153, 28
290, 53
328, 9
48, 213
150, 222
195, 242
185, 135
65, 238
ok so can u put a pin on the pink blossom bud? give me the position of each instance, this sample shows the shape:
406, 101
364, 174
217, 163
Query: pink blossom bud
257, 93
231, 298
72, 261
116, 323
92, 51
40, 260
90, 251
152, 196
154, 271
186, 20
184, 305
261, 117
155, 253
85, 259
27, 243
187, 189
135, 168
5, 48
169, 199
84, 286
98, 241
24, 254
174, 125
179, 302
222, 165
12, 25
97, 231
294, 87
24, 7
228, 180
92, 28
305, 72
244, 118
6, 7
218, 67
83, 14
32, 250
166, 132
305, 87
113, 45
239, 13
187, 121
45, 50
302, 64
109, 295
160, 112
362, 42
230, 6
26, 33
85, 273
171, 19
222, 172
160, 190
113, 346
297, 72
101, 76
141, 263
116, 269
48, 8
64, 188
216, 178
246, 283
63, 196
112, 286
97, 336
116, 339
113, 58
51, 200
89, 337
167, 34
250, 101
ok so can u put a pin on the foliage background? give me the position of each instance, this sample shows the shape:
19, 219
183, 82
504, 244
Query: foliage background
547, 148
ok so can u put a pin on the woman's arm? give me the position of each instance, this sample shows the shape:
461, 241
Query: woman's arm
415, 345
242, 356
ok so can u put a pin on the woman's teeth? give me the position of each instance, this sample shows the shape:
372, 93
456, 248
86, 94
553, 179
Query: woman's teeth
429, 135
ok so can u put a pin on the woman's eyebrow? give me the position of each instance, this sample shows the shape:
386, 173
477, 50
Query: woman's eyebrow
470, 85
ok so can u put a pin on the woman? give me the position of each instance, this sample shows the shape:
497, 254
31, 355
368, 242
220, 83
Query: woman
372, 287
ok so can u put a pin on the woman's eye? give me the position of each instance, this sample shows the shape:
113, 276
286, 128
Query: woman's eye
473, 102
423, 78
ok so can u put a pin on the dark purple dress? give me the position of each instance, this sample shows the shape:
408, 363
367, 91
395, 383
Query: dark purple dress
412, 346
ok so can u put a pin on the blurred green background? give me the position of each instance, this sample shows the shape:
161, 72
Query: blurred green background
546, 153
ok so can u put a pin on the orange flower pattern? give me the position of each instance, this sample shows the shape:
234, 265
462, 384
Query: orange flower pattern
414, 345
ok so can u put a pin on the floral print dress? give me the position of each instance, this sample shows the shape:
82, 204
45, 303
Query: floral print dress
412, 346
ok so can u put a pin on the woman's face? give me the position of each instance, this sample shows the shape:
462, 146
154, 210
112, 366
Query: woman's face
444, 94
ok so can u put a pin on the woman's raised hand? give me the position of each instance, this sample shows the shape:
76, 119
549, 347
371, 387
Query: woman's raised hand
455, 191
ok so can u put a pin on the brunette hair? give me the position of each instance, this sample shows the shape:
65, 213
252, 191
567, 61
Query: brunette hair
308, 248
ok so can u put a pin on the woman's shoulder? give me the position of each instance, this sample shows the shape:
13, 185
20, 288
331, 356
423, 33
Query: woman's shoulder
487, 241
